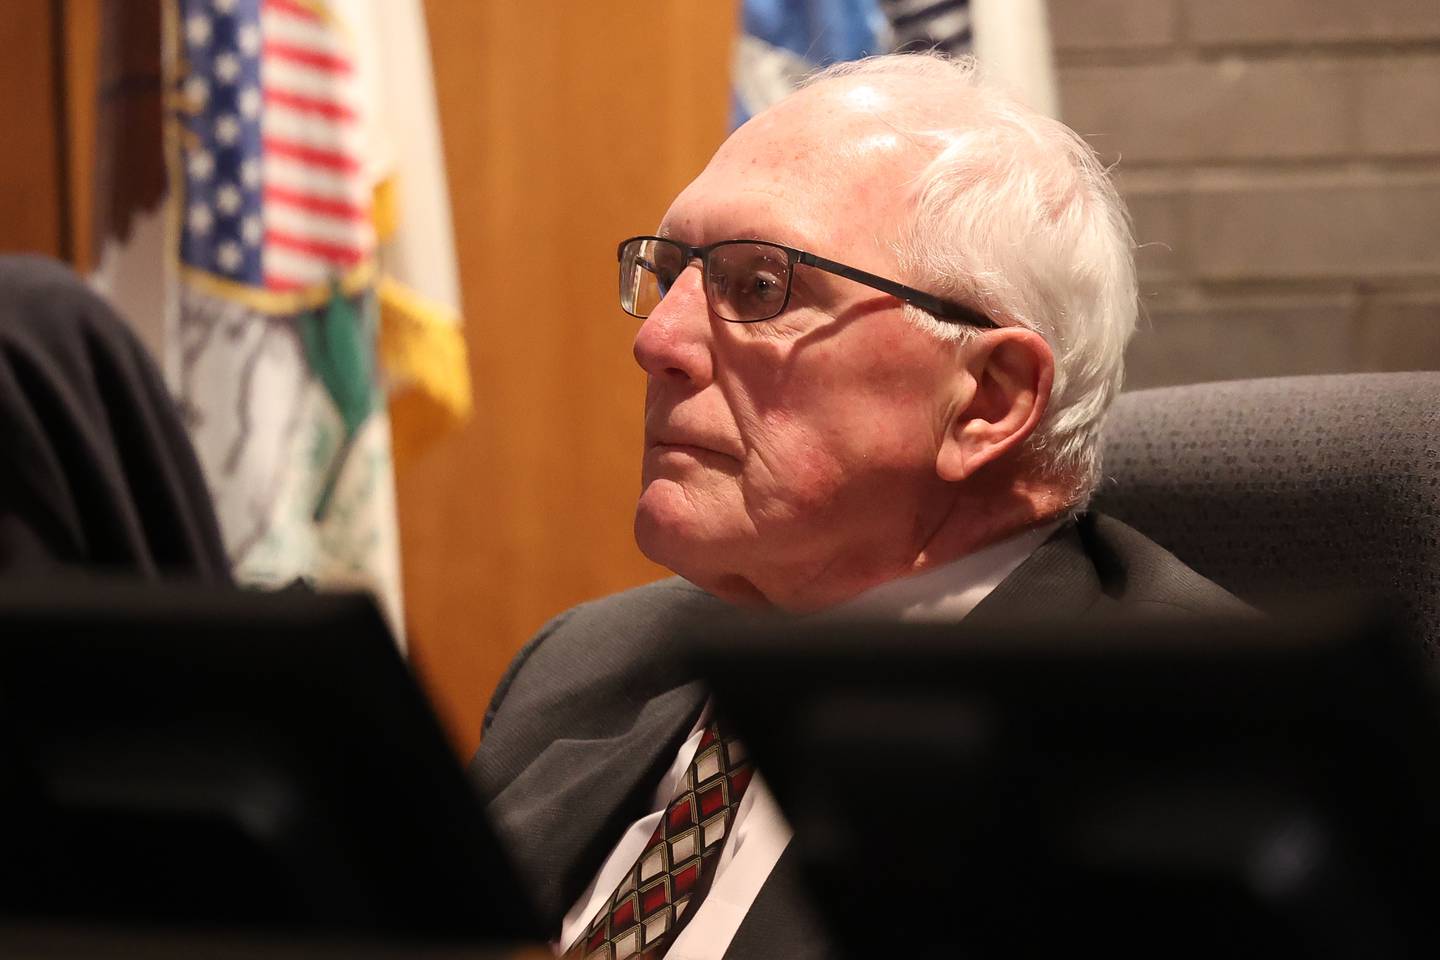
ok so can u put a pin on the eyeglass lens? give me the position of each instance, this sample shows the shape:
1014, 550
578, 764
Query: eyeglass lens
648, 268
747, 282
744, 282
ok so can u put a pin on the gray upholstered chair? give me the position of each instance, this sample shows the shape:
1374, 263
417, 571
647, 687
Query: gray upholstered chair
1290, 485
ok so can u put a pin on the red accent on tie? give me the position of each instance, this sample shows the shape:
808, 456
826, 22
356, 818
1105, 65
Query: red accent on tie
652, 900
711, 800
624, 915
682, 812
686, 878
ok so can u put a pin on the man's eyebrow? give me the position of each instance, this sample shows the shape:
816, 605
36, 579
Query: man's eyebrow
759, 235
666, 232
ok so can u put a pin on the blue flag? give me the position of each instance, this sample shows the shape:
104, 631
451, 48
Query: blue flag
783, 40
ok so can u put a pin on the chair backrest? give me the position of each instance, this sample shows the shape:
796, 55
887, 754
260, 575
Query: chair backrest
1291, 485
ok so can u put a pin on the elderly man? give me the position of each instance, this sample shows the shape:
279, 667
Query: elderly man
881, 329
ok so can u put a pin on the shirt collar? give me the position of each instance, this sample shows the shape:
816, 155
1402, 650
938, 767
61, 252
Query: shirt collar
949, 592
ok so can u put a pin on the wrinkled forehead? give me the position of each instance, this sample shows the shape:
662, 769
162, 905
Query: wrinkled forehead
824, 170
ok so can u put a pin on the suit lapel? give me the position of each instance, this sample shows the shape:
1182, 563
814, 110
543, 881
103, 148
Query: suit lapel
566, 810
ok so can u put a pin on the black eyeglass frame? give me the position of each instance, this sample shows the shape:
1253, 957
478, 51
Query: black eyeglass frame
938, 307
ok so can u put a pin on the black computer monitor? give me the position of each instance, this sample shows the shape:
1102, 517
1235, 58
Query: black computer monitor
1171, 788
233, 760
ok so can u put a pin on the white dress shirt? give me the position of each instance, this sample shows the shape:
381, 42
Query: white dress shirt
759, 833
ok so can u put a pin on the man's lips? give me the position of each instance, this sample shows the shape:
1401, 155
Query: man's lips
684, 432
684, 444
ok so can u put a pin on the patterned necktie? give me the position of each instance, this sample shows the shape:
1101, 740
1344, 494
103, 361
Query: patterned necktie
665, 886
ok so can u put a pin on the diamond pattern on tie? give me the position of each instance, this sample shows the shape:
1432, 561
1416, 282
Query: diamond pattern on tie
673, 871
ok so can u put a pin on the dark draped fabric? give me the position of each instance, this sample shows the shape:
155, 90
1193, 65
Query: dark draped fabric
97, 469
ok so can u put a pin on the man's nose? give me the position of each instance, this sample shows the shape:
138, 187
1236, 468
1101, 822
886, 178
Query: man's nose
674, 342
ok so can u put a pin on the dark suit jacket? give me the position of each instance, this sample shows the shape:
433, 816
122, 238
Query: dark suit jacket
594, 708
96, 469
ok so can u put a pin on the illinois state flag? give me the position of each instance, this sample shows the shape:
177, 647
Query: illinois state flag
284, 261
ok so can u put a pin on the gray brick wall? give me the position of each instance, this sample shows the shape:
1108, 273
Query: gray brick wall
1281, 159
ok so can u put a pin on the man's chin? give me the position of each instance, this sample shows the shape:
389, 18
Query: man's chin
673, 533
698, 560
661, 537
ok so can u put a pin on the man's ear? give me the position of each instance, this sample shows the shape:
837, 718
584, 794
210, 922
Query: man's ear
1008, 373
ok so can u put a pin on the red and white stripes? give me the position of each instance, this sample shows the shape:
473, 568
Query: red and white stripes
316, 193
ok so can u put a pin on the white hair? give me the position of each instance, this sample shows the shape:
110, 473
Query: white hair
1015, 216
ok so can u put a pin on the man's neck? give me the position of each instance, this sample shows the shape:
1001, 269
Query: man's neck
969, 521
948, 592
979, 518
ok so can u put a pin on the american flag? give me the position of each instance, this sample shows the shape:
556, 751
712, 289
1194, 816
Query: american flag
276, 195
281, 120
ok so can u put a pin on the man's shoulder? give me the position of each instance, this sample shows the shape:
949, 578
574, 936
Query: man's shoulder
661, 600
1097, 565
1139, 573
606, 641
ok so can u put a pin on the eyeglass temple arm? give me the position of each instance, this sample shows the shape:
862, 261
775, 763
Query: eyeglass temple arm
943, 309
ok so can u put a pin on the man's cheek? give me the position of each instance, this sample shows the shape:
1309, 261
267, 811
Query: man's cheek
798, 485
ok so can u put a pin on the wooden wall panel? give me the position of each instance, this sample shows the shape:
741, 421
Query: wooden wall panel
567, 126
31, 200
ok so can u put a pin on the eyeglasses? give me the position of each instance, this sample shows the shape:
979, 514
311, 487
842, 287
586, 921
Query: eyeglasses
747, 281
